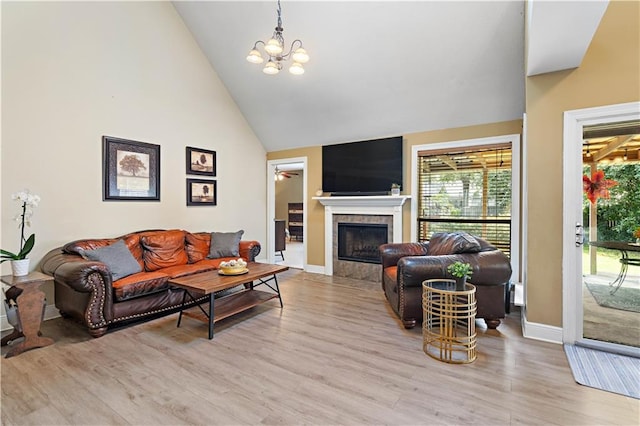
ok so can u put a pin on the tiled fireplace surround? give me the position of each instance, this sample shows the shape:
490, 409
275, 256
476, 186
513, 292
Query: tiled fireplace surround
359, 209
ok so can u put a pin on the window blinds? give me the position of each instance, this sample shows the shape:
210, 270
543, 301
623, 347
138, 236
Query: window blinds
467, 190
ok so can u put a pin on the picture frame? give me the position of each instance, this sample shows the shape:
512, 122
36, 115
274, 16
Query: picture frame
202, 192
201, 161
130, 170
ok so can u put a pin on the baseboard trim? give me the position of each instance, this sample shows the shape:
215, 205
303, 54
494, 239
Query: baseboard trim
543, 332
315, 269
50, 312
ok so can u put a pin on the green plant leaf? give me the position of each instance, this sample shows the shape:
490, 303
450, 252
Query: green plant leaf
28, 246
459, 269
7, 255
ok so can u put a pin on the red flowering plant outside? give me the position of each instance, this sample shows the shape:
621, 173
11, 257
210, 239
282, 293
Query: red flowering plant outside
597, 186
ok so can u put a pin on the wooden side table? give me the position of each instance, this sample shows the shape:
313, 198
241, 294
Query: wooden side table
30, 304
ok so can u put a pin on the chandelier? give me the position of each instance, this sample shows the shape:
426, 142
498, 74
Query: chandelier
274, 49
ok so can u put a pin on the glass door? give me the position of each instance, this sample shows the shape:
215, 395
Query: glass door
611, 251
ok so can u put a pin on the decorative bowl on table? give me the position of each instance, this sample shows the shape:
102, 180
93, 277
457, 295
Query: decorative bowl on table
233, 267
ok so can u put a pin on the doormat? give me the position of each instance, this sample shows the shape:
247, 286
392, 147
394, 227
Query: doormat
604, 370
625, 299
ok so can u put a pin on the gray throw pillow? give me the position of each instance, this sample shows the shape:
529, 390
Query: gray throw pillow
117, 257
225, 244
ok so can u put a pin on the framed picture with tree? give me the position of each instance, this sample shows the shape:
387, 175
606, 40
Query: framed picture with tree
201, 162
130, 170
201, 192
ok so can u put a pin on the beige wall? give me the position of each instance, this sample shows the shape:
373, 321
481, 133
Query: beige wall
288, 190
609, 74
72, 72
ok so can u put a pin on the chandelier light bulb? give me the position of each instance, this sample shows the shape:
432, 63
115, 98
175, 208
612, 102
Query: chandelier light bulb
296, 69
271, 68
300, 56
273, 47
255, 57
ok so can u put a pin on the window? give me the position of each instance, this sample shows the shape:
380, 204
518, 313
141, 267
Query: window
466, 189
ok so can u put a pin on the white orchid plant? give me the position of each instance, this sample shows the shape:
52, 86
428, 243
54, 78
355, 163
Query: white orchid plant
29, 201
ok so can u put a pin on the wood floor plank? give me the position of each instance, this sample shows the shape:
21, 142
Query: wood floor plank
335, 354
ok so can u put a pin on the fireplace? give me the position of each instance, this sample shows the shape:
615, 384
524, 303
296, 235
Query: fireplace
359, 242
380, 210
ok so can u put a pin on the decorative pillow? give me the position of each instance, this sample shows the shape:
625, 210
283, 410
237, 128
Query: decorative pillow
225, 244
117, 257
452, 243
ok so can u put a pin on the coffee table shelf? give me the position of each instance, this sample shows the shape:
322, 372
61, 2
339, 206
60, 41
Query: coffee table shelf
233, 304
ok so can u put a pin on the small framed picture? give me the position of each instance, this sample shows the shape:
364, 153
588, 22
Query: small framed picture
201, 162
130, 170
201, 192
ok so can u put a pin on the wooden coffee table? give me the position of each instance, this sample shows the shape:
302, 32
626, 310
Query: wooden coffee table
211, 282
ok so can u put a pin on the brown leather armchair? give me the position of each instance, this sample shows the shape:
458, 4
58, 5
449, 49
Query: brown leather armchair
406, 265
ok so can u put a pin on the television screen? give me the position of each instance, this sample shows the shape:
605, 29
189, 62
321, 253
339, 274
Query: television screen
362, 168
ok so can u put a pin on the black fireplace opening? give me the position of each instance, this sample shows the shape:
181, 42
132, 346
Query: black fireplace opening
359, 242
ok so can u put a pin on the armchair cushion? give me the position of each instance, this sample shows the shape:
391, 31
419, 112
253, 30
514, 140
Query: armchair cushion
452, 243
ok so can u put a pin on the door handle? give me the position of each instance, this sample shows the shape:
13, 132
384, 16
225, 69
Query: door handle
579, 235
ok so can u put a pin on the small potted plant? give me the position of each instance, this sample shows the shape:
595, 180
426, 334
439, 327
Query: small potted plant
19, 260
461, 272
636, 234
395, 189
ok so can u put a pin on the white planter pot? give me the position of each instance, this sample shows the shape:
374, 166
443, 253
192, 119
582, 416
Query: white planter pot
20, 268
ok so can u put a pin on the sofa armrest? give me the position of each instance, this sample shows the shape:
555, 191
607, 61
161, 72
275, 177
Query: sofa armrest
391, 253
249, 250
82, 276
413, 270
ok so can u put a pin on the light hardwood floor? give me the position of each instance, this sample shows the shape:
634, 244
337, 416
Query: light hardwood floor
335, 354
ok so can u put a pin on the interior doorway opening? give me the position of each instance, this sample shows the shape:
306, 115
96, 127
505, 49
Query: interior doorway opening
287, 212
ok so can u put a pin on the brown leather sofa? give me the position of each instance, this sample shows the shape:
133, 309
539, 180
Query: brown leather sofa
406, 265
85, 291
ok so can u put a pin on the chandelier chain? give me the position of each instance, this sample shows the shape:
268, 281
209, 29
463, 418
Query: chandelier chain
279, 17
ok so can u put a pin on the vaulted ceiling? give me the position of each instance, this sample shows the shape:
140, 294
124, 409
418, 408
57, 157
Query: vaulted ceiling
380, 68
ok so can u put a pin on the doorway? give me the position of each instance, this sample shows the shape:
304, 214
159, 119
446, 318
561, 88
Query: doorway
286, 203
576, 228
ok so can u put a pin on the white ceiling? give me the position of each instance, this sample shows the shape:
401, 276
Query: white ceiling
377, 68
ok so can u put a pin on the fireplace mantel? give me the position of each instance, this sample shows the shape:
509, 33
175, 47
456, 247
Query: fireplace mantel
390, 205
360, 201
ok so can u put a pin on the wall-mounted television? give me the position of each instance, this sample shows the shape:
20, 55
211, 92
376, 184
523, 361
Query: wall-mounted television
362, 168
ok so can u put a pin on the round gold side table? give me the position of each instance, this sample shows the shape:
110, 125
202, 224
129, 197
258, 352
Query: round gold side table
449, 325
